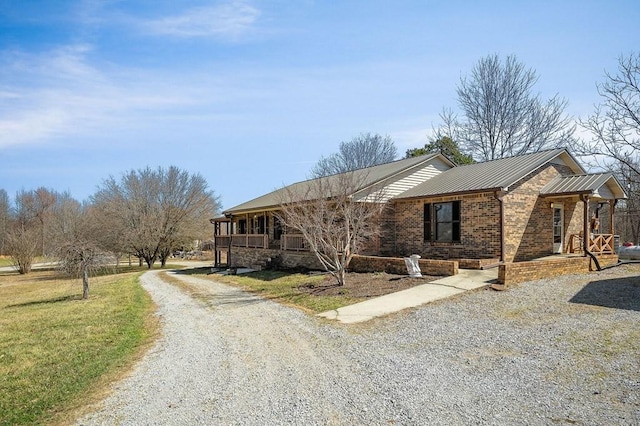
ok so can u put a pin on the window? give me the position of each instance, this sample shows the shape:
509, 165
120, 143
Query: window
442, 221
277, 228
242, 226
263, 224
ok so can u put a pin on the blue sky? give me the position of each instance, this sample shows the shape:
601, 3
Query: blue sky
251, 94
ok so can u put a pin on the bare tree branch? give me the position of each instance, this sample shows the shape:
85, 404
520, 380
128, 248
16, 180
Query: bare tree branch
153, 212
334, 224
365, 150
501, 115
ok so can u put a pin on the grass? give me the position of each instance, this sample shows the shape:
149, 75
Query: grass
58, 352
284, 287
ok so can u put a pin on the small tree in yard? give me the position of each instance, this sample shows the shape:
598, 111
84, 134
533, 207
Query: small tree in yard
336, 217
22, 246
81, 258
78, 250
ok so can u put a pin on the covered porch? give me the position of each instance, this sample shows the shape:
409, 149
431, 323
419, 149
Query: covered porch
598, 194
252, 230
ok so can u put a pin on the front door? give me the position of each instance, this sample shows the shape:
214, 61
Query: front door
558, 226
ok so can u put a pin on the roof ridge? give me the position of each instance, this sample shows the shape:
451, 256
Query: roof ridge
527, 154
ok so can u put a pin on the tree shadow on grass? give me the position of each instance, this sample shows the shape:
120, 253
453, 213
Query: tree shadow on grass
264, 275
47, 301
618, 293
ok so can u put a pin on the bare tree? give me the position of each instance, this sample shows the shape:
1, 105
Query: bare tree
615, 125
22, 246
82, 258
153, 210
615, 145
24, 232
5, 216
336, 217
501, 117
365, 150
34, 208
77, 248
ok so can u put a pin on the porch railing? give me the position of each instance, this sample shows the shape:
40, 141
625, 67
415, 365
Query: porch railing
242, 240
598, 243
293, 242
601, 244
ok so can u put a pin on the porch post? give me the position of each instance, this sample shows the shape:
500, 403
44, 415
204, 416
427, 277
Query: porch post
585, 224
216, 255
612, 206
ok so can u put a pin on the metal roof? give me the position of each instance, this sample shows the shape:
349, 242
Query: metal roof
367, 177
583, 184
489, 175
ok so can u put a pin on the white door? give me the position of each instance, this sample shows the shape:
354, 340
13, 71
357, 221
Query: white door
558, 226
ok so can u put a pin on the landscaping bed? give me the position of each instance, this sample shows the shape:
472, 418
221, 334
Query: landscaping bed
365, 285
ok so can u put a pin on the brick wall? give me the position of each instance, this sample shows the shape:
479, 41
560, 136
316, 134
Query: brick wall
513, 273
396, 265
529, 218
479, 229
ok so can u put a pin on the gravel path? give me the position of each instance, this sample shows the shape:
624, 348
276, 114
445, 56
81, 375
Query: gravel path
548, 352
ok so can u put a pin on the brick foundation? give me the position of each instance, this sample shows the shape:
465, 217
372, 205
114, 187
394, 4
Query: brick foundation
261, 258
396, 265
513, 273
605, 261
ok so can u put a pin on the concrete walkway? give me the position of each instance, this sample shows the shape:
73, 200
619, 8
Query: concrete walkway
465, 280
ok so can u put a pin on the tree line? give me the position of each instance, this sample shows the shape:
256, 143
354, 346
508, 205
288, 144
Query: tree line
147, 213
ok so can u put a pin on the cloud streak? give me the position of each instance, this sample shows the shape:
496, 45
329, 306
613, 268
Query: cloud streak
223, 21
60, 93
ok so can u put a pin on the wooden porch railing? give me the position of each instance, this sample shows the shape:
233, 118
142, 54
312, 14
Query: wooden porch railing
598, 244
293, 242
601, 244
242, 240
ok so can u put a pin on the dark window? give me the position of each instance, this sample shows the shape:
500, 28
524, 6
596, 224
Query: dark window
263, 224
442, 221
427, 222
242, 226
277, 228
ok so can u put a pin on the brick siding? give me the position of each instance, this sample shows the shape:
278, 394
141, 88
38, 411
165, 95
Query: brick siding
479, 229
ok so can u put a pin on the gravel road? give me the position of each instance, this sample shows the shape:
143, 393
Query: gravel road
560, 351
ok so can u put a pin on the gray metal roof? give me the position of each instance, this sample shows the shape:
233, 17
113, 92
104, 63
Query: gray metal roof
583, 184
367, 177
490, 175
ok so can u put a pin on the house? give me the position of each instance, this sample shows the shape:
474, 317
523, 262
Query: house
502, 211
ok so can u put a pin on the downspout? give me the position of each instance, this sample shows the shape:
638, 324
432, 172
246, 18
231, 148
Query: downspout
499, 195
585, 232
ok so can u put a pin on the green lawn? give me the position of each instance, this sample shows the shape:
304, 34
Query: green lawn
57, 351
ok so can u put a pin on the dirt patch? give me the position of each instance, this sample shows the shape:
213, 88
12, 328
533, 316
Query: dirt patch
366, 284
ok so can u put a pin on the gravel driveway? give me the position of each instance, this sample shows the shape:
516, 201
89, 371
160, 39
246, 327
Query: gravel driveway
560, 351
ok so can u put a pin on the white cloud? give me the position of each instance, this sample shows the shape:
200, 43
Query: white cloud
227, 20
61, 93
